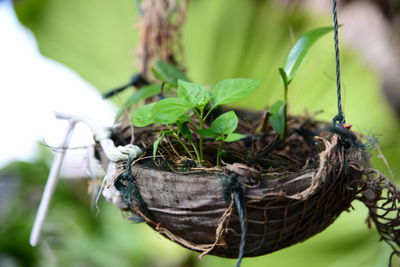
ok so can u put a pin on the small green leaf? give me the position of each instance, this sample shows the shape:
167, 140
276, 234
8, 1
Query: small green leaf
198, 95
155, 145
141, 94
300, 49
278, 117
225, 123
184, 130
168, 72
142, 116
170, 110
232, 90
232, 137
207, 133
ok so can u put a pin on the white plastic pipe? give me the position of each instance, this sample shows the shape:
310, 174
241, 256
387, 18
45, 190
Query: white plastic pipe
51, 185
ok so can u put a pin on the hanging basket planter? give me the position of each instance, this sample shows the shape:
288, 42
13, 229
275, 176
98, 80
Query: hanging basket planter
230, 183
290, 191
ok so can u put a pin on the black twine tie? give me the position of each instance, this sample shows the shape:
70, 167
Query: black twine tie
339, 118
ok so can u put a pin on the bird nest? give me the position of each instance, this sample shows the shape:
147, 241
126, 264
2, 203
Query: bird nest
269, 194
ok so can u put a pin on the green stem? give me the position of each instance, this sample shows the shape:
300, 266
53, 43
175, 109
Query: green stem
286, 115
194, 124
181, 143
201, 148
184, 146
219, 153
201, 137
285, 95
208, 113
196, 151
197, 113
286, 121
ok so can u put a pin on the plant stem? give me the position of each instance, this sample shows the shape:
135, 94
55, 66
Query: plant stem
285, 94
201, 137
286, 121
197, 113
181, 143
208, 113
219, 153
194, 124
184, 146
286, 114
196, 151
201, 148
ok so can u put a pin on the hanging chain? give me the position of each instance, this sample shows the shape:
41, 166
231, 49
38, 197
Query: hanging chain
339, 118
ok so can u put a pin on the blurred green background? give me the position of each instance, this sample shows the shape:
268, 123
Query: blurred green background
222, 39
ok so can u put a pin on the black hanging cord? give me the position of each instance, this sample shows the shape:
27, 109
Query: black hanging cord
238, 195
234, 192
339, 118
137, 81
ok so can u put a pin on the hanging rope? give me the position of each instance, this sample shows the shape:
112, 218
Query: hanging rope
339, 118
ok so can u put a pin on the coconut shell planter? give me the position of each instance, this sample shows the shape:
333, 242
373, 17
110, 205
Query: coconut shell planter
274, 192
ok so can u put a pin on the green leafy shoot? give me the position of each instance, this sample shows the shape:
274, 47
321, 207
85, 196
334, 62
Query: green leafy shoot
168, 73
300, 50
223, 128
189, 109
278, 118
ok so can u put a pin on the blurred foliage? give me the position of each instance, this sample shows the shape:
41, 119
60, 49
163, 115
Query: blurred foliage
222, 39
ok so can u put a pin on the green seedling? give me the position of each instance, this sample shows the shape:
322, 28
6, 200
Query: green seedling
278, 117
223, 130
192, 106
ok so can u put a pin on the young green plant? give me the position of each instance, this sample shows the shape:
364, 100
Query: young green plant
192, 106
223, 130
278, 117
